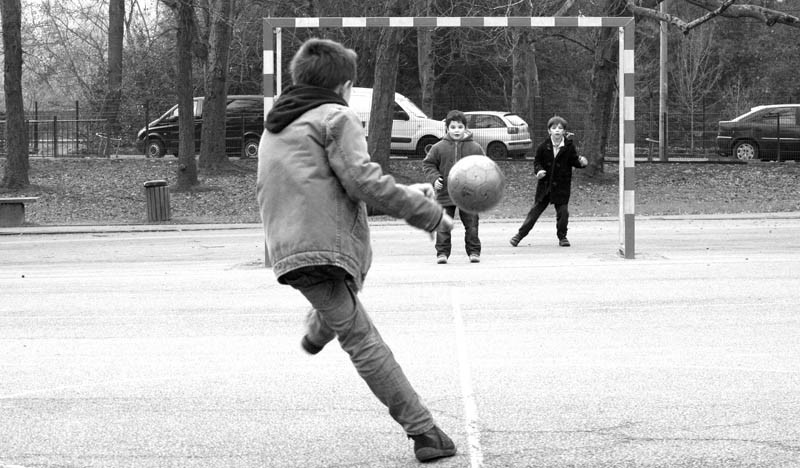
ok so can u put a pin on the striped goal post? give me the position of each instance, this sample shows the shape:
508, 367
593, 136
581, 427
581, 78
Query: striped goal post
625, 25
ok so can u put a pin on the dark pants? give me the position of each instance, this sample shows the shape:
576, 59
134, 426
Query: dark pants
562, 218
472, 243
337, 312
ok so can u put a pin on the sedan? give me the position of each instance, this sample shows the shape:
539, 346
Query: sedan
766, 132
500, 134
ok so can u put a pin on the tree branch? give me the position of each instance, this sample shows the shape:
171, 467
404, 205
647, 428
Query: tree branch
724, 8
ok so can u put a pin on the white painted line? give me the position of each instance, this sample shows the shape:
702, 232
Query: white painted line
470, 408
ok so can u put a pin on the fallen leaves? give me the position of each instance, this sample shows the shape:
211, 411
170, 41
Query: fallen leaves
102, 191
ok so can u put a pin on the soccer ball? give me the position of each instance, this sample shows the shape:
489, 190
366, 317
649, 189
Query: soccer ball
476, 184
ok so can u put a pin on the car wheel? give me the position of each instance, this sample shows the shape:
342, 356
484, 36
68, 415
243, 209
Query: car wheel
250, 149
496, 150
745, 151
155, 149
424, 145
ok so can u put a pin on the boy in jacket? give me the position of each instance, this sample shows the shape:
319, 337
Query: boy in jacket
553, 163
314, 181
456, 144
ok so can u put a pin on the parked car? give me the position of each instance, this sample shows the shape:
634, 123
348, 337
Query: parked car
413, 132
760, 133
244, 122
501, 134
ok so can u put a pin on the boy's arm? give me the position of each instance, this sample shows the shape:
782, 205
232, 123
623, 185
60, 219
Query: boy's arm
538, 166
430, 165
579, 161
362, 179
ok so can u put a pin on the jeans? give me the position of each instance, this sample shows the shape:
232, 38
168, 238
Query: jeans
472, 243
562, 218
337, 312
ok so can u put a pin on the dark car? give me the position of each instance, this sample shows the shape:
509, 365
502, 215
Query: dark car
244, 122
766, 132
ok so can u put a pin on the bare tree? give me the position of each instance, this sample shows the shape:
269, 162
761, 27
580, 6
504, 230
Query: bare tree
386, 68
715, 8
116, 29
212, 143
425, 57
17, 164
603, 89
696, 73
187, 43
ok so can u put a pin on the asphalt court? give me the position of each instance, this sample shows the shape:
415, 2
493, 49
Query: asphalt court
176, 348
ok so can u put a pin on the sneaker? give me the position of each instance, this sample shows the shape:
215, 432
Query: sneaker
310, 347
563, 242
441, 259
515, 240
474, 258
433, 444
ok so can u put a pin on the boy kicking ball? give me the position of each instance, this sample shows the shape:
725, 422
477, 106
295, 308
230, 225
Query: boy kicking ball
315, 178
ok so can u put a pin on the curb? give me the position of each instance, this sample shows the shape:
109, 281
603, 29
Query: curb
145, 228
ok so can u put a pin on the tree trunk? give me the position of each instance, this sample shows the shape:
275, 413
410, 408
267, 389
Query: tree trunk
427, 71
212, 146
17, 164
602, 90
187, 165
116, 29
525, 80
380, 121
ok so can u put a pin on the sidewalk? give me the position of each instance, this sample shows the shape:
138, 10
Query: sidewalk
167, 227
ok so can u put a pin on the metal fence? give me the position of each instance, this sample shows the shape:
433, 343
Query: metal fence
58, 138
65, 132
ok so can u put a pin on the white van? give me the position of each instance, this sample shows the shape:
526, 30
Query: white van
413, 132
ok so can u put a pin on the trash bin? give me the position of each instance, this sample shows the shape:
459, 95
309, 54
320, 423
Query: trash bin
157, 194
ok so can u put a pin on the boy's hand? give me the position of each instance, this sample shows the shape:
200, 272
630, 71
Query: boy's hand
541, 174
425, 189
439, 184
445, 224
584, 162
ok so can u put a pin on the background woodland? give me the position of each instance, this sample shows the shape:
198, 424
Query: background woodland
127, 61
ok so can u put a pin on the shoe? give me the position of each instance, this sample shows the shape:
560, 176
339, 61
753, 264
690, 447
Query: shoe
563, 242
310, 347
474, 258
433, 444
515, 240
441, 259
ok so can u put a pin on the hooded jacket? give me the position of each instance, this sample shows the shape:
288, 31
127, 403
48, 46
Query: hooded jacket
441, 158
314, 181
558, 178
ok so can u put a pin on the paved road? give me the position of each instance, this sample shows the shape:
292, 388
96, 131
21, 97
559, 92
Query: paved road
176, 348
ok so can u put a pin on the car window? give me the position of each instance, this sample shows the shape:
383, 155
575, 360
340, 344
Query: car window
398, 113
515, 119
487, 121
786, 116
242, 105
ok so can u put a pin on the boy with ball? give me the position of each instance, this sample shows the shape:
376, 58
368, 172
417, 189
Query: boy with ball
455, 145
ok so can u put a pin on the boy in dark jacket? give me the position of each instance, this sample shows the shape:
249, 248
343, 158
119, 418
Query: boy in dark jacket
553, 163
456, 144
315, 178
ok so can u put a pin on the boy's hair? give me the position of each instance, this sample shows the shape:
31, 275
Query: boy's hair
456, 115
323, 63
556, 120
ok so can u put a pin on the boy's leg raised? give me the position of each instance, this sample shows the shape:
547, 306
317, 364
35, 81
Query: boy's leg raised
338, 305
